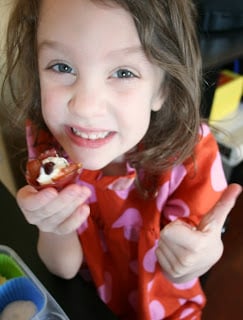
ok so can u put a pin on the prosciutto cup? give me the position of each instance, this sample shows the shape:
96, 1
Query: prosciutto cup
51, 170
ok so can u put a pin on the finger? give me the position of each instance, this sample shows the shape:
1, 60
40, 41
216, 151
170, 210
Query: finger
66, 202
216, 217
49, 201
180, 265
29, 199
167, 260
53, 219
181, 234
74, 221
177, 266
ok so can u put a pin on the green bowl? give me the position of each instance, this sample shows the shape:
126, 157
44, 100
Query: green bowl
9, 268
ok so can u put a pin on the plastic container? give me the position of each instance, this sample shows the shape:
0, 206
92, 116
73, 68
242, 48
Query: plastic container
22, 284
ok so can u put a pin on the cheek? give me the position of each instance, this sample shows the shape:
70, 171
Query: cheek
136, 120
51, 103
46, 104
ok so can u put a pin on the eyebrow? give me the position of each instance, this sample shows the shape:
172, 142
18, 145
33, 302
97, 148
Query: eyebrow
132, 49
52, 44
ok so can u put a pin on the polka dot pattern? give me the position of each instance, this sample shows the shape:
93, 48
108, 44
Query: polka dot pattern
185, 313
120, 237
176, 208
135, 228
105, 290
217, 175
131, 222
186, 285
150, 259
157, 311
204, 130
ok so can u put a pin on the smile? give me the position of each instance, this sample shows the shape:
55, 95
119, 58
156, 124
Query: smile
90, 136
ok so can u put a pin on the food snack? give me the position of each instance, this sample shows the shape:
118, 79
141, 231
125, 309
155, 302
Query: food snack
2, 280
51, 170
19, 310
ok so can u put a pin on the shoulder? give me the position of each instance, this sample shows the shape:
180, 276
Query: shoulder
206, 138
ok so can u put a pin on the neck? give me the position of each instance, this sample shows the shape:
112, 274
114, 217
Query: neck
115, 169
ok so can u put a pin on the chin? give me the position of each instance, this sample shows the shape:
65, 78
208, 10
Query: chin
90, 161
93, 166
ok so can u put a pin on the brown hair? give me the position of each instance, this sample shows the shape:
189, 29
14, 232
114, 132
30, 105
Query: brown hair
168, 35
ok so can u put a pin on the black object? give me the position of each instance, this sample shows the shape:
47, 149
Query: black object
220, 15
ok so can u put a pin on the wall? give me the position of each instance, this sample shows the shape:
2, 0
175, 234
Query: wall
6, 175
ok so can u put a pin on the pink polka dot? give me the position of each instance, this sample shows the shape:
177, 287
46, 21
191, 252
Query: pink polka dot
150, 285
157, 310
162, 196
131, 233
218, 180
131, 221
186, 285
185, 313
93, 197
105, 290
177, 175
122, 186
123, 194
130, 217
83, 227
182, 301
175, 209
150, 259
199, 299
204, 130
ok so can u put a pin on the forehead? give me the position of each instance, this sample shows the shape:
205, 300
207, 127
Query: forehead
87, 26
79, 14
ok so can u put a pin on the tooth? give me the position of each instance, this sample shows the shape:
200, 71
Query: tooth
91, 136
84, 135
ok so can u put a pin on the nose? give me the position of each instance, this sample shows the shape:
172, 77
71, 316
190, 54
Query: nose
86, 100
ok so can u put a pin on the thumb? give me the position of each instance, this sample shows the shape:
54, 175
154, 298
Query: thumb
217, 215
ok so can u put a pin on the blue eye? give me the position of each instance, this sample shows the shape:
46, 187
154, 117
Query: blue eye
124, 74
62, 68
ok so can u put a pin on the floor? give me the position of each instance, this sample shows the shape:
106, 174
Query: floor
224, 283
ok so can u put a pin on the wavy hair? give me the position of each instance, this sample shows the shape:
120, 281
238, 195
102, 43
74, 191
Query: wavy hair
167, 31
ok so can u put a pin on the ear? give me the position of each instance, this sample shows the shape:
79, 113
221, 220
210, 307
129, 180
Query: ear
158, 102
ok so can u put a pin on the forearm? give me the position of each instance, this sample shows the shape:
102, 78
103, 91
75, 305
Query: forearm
62, 254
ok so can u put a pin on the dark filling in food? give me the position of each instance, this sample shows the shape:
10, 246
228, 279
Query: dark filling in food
48, 167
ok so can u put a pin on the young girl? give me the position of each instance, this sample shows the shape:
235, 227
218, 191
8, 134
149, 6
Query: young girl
116, 85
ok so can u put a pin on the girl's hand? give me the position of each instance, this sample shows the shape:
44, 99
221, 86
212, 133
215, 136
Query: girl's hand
184, 252
60, 213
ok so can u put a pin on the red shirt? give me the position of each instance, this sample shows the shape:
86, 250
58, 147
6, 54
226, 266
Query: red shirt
120, 236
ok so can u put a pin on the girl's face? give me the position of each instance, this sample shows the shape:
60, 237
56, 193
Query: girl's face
97, 86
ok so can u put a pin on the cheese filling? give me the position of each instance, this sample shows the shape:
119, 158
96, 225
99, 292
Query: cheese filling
51, 168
